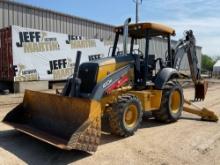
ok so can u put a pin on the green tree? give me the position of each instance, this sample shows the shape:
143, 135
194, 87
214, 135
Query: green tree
207, 63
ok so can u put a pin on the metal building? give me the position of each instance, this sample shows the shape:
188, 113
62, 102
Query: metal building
13, 13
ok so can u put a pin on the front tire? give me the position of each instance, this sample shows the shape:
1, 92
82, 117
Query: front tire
125, 116
171, 104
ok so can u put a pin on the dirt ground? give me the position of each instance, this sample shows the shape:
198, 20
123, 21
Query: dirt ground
188, 141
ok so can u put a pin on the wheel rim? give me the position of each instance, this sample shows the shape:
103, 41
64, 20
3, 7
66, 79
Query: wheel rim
130, 116
175, 101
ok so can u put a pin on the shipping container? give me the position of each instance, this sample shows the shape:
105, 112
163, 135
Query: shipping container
6, 64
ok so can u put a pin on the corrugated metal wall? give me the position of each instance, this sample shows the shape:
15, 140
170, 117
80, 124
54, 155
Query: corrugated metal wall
12, 13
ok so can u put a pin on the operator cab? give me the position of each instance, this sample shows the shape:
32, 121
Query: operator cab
145, 63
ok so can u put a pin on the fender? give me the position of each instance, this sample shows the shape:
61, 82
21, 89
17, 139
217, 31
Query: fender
165, 75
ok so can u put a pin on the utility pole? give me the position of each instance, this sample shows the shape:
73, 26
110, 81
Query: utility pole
138, 3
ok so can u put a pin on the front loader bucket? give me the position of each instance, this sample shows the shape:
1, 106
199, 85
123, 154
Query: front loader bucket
67, 123
200, 90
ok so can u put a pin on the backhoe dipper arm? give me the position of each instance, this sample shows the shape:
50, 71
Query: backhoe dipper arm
188, 46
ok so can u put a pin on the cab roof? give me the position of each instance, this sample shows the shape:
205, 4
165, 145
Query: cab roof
154, 29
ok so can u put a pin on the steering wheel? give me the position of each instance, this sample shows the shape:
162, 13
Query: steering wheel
138, 52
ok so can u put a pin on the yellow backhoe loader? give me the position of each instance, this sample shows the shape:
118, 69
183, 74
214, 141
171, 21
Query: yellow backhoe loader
120, 87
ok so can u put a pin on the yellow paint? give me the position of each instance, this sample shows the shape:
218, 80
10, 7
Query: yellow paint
109, 66
131, 116
150, 99
105, 70
148, 26
175, 101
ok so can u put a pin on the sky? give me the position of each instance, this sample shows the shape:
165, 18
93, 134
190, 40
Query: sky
202, 16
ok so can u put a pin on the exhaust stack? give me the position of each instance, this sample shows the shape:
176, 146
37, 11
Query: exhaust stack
125, 35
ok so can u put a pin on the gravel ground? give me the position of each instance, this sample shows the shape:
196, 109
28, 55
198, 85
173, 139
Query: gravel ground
188, 141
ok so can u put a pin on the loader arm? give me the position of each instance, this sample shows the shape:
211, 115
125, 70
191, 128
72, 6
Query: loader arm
188, 46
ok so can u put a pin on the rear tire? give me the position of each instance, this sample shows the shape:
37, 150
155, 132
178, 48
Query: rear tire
171, 104
125, 116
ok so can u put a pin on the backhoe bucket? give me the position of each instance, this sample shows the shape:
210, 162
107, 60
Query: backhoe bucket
200, 90
67, 123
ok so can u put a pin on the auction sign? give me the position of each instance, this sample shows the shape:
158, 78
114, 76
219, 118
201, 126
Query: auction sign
42, 55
